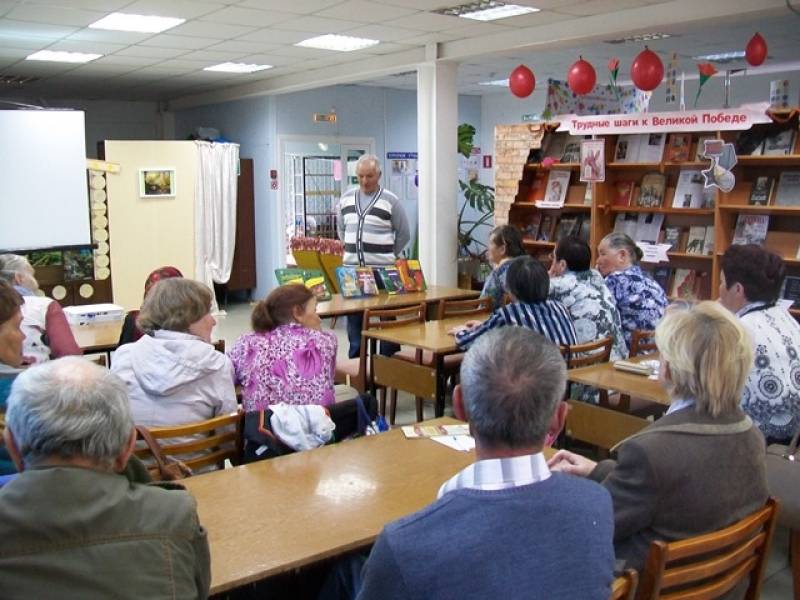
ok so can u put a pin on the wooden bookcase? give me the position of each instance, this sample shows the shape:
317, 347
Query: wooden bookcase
783, 236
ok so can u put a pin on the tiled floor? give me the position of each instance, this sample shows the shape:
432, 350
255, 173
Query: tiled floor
778, 577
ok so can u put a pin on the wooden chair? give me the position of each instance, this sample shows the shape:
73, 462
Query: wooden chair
356, 370
643, 341
218, 439
463, 308
624, 586
598, 426
708, 566
585, 355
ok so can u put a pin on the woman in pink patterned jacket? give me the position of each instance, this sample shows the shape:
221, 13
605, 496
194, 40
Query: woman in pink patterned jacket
287, 358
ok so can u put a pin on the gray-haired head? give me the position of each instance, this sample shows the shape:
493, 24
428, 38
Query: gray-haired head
620, 241
69, 408
512, 379
12, 265
369, 159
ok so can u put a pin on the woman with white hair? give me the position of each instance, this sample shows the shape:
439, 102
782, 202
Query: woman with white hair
699, 468
47, 332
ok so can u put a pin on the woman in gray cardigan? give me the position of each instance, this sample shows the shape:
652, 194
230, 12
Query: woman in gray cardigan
701, 466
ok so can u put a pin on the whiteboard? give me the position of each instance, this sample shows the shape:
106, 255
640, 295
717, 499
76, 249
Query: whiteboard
43, 193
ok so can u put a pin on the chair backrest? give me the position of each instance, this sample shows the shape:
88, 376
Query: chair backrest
601, 427
708, 566
643, 341
590, 353
624, 586
463, 308
217, 439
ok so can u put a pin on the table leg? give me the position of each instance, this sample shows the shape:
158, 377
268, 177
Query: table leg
373, 346
441, 386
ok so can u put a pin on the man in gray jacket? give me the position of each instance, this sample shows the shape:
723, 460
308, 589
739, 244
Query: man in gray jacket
72, 525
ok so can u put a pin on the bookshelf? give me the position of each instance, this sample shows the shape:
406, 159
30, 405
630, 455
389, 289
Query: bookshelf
783, 235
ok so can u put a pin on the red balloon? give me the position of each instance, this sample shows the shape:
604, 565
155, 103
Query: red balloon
756, 50
647, 70
521, 82
581, 77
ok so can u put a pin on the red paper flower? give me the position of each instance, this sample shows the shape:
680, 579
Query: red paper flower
706, 70
613, 64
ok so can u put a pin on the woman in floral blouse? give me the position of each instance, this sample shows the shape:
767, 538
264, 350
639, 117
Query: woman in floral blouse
287, 358
505, 243
587, 298
750, 284
640, 300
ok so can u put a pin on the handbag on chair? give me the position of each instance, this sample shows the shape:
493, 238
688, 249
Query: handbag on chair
783, 478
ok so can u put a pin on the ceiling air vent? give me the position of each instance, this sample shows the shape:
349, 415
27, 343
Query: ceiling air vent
16, 80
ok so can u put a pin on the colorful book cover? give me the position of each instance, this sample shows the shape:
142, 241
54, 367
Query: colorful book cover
366, 281
788, 192
780, 144
392, 282
315, 281
623, 192
415, 269
546, 229
708, 243
672, 236
697, 237
348, 282
566, 226
538, 186
557, 184
762, 190
678, 146
689, 190
751, 229
285, 276
627, 148
530, 228
652, 190
683, 284
405, 275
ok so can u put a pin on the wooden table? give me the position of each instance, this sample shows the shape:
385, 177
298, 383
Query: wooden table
97, 337
605, 376
276, 515
339, 305
431, 336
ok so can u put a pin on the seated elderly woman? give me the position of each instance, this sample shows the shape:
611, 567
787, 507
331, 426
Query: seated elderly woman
702, 466
582, 290
528, 284
130, 330
174, 375
287, 358
750, 284
640, 300
505, 243
11, 338
72, 524
47, 333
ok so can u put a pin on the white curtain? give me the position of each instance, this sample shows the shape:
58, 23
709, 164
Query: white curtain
215, 212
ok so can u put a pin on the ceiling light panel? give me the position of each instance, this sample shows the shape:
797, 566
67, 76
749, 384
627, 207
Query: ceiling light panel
230, 67
138, 23
61, 56
721, 56
487, 10
339, 43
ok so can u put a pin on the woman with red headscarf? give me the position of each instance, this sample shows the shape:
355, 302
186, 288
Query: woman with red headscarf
130, 331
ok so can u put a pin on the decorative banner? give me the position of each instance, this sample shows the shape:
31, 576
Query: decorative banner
593, 160
724, 119
723, 159
603, 100
672, 79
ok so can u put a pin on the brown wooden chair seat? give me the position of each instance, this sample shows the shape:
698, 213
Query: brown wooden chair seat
624, 586
708, 566
218, 439
585, 355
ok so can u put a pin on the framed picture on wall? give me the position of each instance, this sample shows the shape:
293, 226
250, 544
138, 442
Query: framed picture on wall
156, 182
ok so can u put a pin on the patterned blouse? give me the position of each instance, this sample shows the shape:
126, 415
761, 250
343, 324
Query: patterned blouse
592, 307
495, 284
291, 364
548, 318
641, 302
772, 393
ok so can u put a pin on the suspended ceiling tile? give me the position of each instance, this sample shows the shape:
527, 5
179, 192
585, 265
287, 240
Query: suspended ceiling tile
424, 4
234, 15
318, 25
127, 61
272, 59
534, 19
151, 52
206, 29
184, 9
105, 6
115, 37
277, 36
367, 12
54, 15
68, 45
27, 29
383, 33
243, 47
165, 40
212, 57
599, 7
427, 22
302, 7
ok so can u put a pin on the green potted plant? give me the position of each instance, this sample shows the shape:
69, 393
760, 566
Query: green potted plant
480, 198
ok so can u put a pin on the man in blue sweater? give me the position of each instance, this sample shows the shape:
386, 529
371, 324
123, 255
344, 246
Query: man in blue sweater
504, 527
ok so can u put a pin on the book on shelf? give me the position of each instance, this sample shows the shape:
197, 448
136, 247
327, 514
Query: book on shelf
587, 195
762, 190
623, 192
663, 277
285, 276
788, 191
780, 144
315, 281
554, 148
366, 281
697, 237
678, 146
652, 189
557, 184
699, 152
626, 223
538, 186
689, 190
709, 197
530, 225
651, 147
672, 236
708, 243
409, 283
546, 229
627, 148
572, 150
683, 284
415, 270
791, 290
390, 277
567, 225
648, 227
348, 282
585, 229
751, 229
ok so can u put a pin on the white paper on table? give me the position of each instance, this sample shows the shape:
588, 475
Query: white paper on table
785, 303
654, 253
462, 443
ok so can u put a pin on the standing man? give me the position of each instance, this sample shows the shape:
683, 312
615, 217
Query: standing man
374, 229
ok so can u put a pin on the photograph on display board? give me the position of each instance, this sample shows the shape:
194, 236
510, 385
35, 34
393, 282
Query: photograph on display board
156, 182
78, 264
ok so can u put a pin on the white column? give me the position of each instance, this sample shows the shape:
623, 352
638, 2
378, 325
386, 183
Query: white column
437, 137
